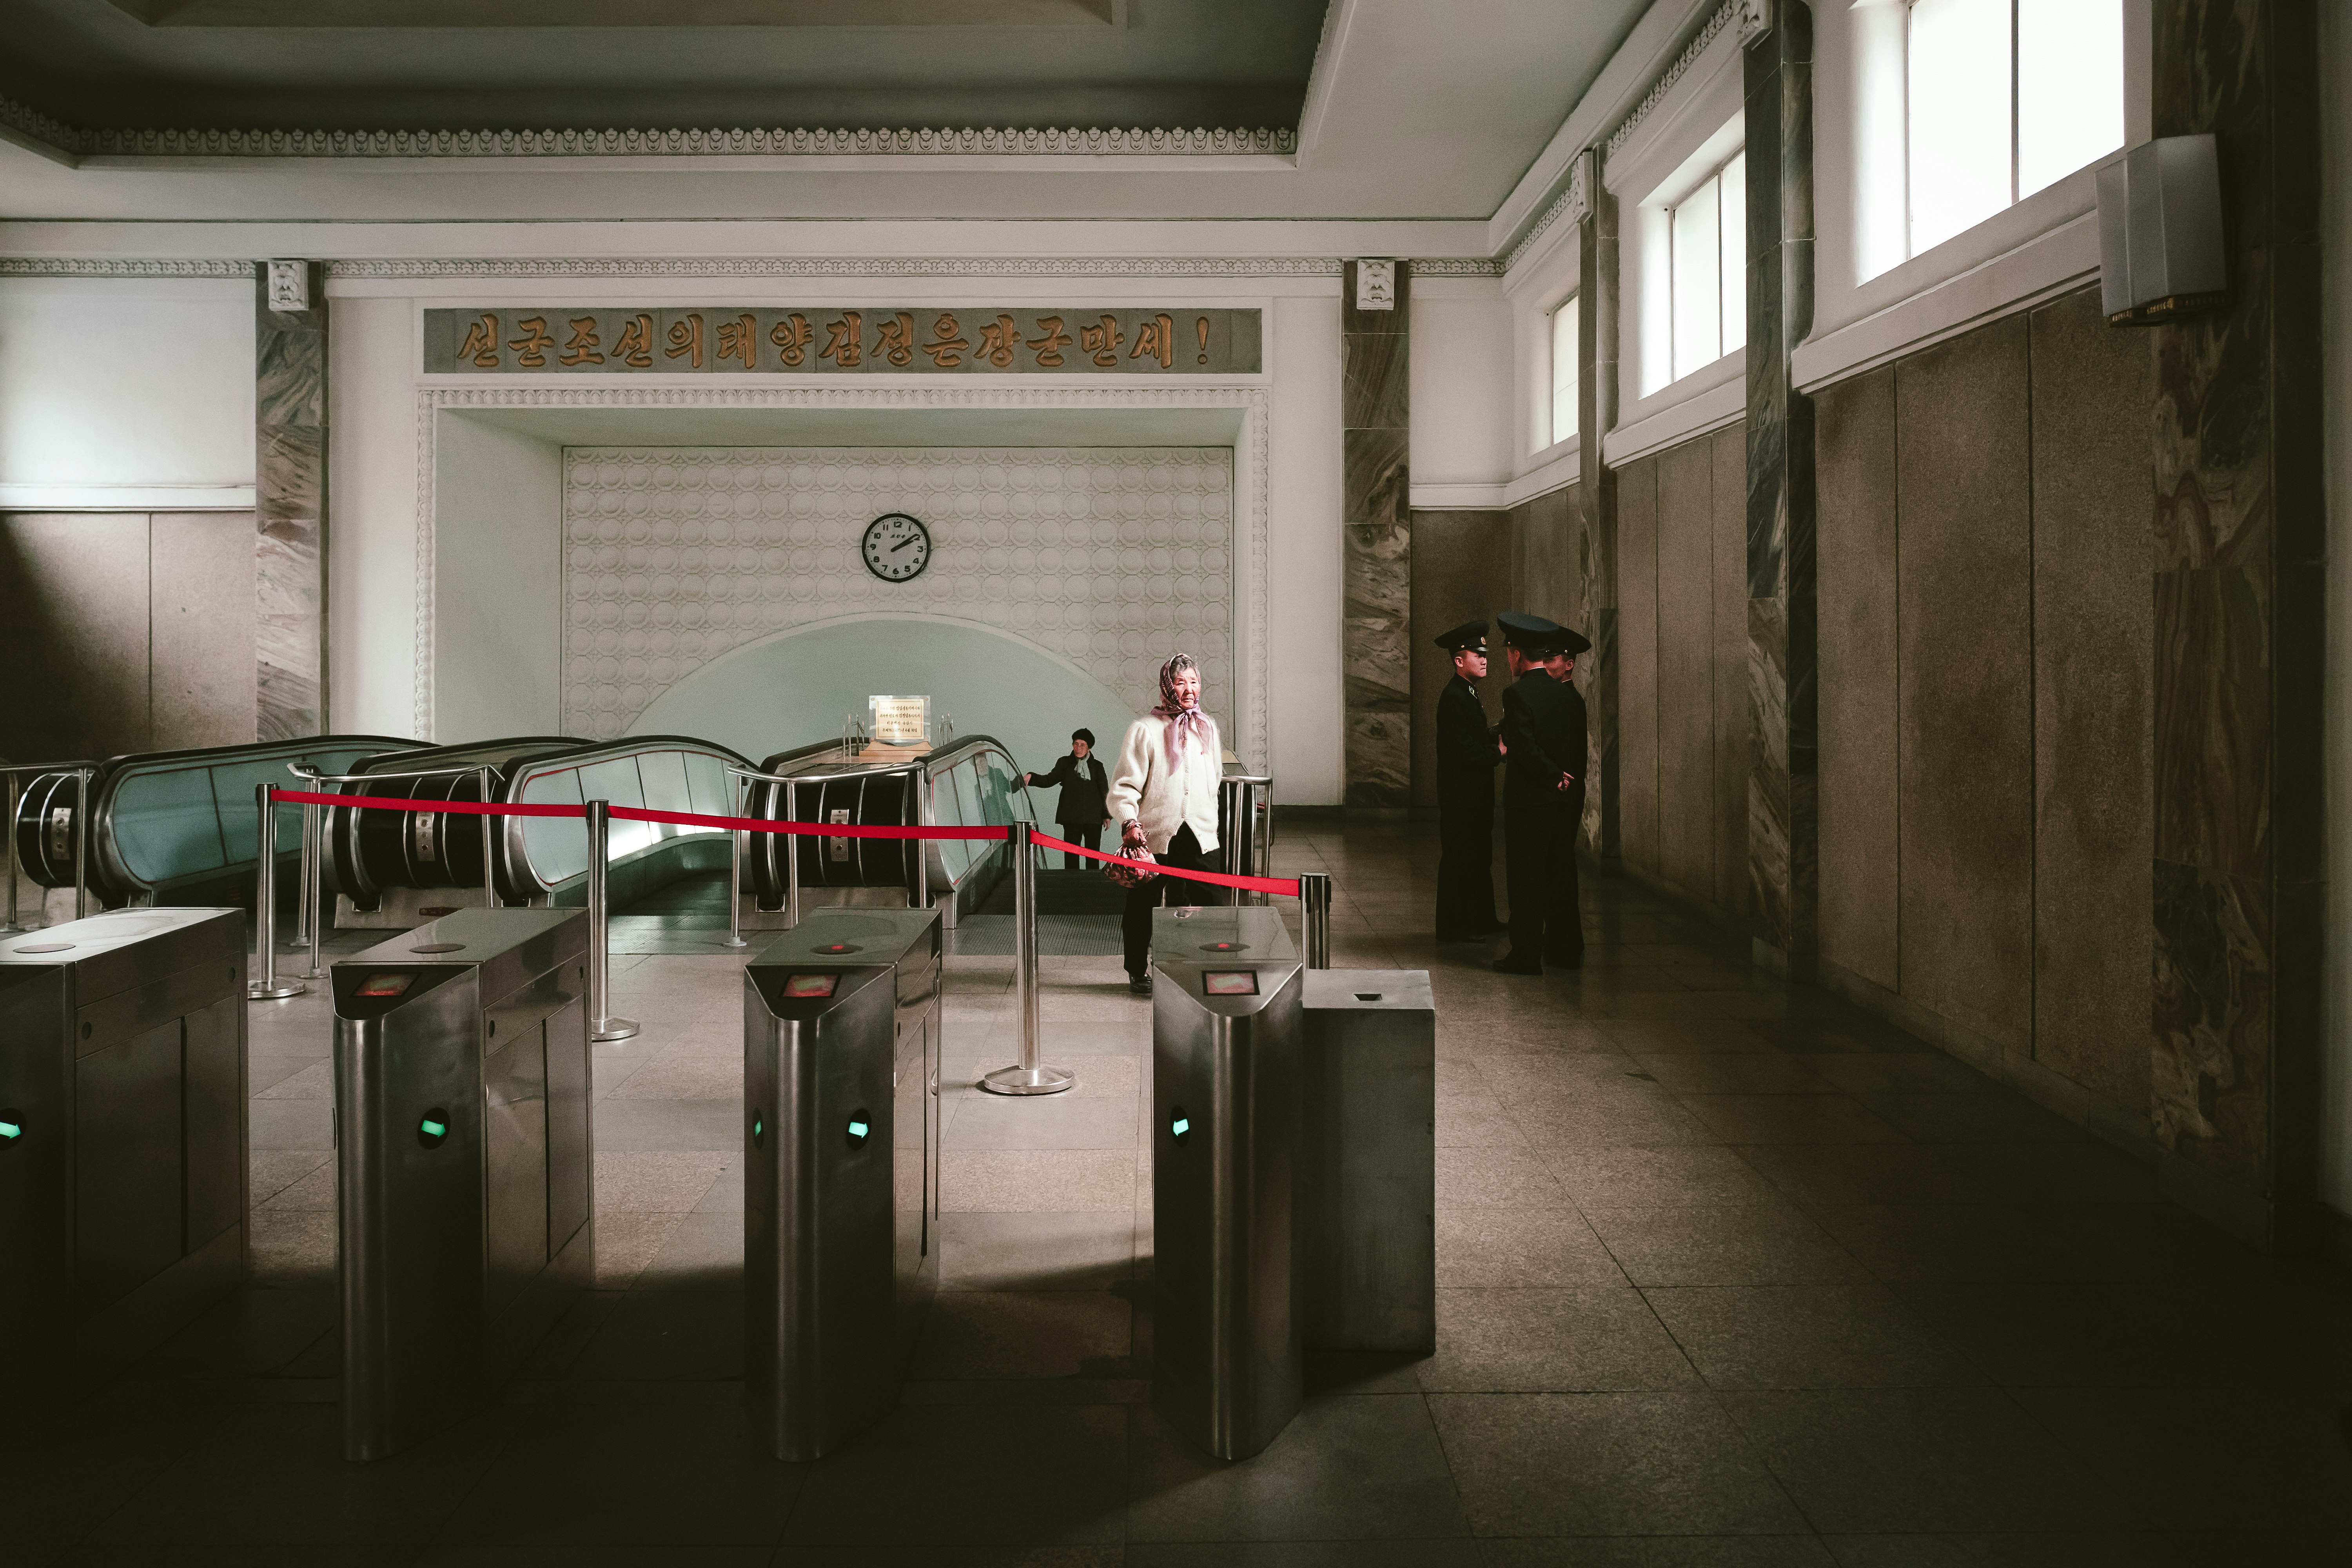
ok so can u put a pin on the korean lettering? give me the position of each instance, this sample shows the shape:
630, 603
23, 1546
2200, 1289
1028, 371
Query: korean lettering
481, 343
1000, 340
530, 349
1049, 342
947, 345
635, 347
1101, 343
843, 339
894, 340
740, 339
792, 338
686, 339
1155, 338
582, 349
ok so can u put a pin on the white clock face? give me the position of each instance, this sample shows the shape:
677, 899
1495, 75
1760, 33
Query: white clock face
897, 547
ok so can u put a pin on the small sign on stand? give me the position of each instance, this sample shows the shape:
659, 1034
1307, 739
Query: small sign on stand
903, 723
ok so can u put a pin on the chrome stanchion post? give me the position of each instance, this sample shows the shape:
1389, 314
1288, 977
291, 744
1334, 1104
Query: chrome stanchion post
1030, 1076
267, 986
1315, 917
314, 838
9, 925
81, 842
490, 862
736, 842
602, 1025
792, 858
302, 934
921, 787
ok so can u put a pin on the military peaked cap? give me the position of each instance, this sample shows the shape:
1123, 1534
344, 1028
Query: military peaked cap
1469, 635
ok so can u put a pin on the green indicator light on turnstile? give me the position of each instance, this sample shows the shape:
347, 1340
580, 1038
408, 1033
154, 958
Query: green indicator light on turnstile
1180, 1126
11, 1130
433, 1128
858, 1128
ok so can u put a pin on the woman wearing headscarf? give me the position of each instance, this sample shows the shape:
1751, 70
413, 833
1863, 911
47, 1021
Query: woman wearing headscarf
1163, 794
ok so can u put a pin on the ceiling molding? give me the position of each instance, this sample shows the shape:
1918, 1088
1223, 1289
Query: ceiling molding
120, 267
845, 267
1724, 15
1321, 74
1455, 267
1571, 204
736, 143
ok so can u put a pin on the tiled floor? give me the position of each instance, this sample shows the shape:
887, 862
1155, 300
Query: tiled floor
1730, 1274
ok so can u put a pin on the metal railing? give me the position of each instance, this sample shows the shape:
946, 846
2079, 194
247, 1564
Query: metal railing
83, 771
790, 784
311, 894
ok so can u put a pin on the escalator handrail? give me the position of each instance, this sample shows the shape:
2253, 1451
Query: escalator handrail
304, 770
88, 765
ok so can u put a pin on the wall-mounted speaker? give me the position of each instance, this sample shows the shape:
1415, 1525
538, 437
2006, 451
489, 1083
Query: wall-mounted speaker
2161, 252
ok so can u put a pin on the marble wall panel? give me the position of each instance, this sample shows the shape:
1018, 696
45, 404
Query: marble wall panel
1376, 628
1963, 713
2093, 685
1596, 488
292, 425
202, 626
1732, 744
1685, 668
1637, 664
1462, 571
76, 587
1861, 868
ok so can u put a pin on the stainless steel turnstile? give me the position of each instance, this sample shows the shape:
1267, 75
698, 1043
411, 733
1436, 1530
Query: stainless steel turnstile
1225, 1045
122, 1141
463, 1152
841, 1136
1367, 1210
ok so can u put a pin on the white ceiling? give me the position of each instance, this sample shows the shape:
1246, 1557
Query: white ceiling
1416, 109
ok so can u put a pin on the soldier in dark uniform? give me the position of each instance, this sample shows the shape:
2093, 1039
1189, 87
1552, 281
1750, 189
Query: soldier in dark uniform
1543, 797
1466, 755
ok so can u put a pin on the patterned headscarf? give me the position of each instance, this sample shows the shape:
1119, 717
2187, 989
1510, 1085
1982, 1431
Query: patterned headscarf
1182, 721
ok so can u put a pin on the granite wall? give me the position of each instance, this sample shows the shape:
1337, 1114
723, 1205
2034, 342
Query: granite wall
128, 631
1376, 629
1684, 728
1986, 702
1472, 565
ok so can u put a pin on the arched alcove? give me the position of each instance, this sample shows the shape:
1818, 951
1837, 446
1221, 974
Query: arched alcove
795, 687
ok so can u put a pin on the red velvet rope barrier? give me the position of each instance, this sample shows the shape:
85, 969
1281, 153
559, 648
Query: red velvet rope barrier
1284, 887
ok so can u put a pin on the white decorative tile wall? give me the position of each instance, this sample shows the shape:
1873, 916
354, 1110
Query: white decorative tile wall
1107, 558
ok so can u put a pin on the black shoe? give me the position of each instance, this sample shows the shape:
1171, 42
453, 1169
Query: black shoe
1512, 963
1140, 983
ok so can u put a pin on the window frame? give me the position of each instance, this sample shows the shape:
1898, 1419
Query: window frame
1566, 310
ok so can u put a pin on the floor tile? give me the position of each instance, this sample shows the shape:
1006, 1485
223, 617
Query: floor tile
1520, 1246
1086, 1251
1026, 1475
993, 1334
1808, 1336
1608, 1464
1720, 1244
1562, 1339
1360, 1468
1921, 1460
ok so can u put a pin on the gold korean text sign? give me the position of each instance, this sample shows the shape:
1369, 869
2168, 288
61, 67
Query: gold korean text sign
1026, 340
900, 720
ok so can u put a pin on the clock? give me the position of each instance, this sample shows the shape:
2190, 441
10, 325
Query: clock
897, 547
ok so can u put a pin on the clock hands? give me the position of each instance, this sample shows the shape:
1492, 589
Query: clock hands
904, 543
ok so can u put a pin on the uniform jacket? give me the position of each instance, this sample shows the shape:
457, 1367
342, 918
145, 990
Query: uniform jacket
1465, 744
1083, 784
1143, 788
1543, 725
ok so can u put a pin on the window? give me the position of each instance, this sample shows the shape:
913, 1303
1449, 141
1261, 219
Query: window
1564, 371
2003, 99
1707, 272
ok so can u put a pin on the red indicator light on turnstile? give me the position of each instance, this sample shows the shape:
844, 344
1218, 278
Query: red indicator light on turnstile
809, 984
839, 947
384, 985
1230, 982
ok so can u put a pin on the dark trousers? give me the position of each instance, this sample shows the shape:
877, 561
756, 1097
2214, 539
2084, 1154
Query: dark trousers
1071, 833
1135, 924
1539, 852
1466, 861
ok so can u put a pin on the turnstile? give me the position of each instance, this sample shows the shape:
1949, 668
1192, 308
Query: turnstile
122, 1141
1225, 1049
1367, 1177
463, 1152
841, 1134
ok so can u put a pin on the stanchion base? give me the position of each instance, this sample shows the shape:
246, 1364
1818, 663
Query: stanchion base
255, 991
603, 1029
314, 975
736, 941
1029, 1081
